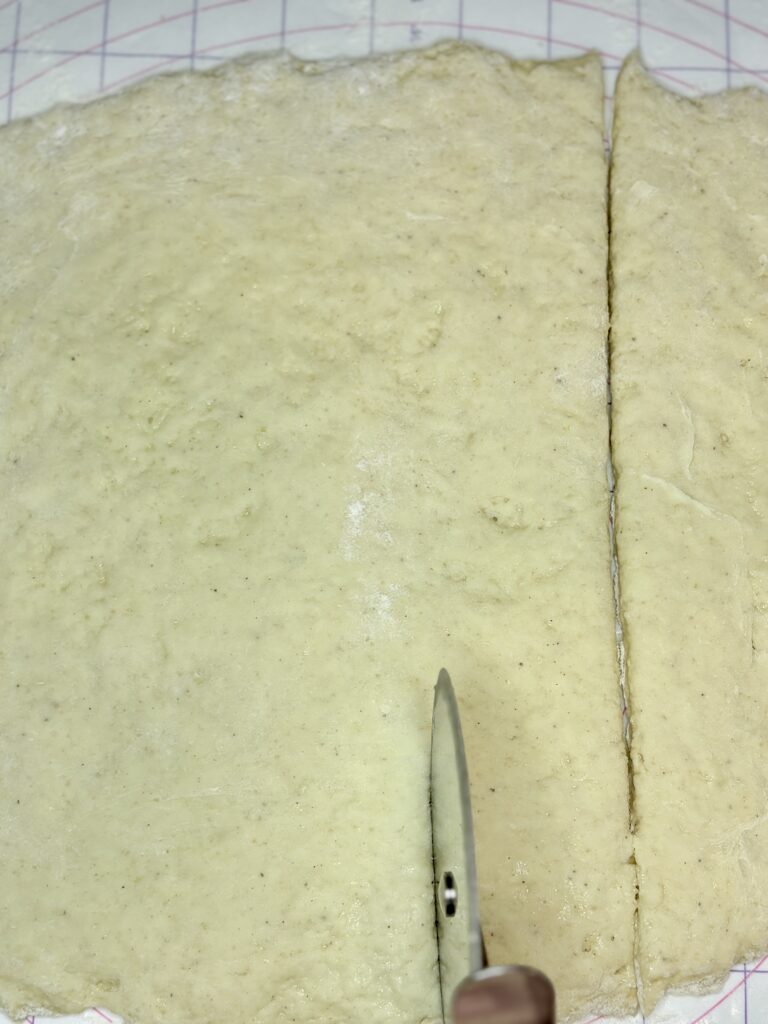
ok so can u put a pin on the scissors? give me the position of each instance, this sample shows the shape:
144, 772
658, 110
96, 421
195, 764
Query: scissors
472, 992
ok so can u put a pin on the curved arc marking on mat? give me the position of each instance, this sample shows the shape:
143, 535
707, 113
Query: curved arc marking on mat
617, 15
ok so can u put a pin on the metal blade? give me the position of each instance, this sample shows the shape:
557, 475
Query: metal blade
459, 940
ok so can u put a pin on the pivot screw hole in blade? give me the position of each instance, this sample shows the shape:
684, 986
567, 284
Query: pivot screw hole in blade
448, 894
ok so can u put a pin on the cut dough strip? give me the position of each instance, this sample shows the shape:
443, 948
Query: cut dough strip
304, 395
689, 194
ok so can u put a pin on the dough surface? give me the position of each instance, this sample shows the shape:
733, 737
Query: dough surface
303, 395
690, 422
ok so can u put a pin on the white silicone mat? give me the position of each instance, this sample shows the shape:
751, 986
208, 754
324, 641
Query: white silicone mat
58, 50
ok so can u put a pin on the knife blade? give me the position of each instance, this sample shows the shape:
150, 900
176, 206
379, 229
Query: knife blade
470, 991
459, 940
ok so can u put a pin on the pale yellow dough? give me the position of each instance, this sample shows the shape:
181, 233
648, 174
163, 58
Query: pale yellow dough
303, 376
690, 432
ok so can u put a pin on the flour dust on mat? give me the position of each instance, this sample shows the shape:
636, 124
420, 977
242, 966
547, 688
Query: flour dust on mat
690, 273
304, 396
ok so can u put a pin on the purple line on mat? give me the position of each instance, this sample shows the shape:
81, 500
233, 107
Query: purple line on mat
193, 34
746, 996
14, 54
103, 51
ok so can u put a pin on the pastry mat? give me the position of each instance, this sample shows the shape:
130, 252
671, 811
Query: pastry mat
59, 50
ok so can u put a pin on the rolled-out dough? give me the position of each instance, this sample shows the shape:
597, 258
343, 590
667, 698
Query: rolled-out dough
690, 430
303, 387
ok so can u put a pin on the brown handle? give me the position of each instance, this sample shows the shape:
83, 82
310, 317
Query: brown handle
504, 995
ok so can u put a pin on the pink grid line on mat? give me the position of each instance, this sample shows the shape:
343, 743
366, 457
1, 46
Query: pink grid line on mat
728, 61
54, 68
454, 27
17, 85
449, 25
